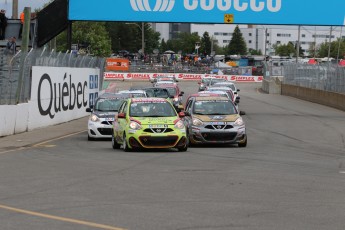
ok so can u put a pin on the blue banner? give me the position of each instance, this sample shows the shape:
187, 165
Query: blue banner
264, 12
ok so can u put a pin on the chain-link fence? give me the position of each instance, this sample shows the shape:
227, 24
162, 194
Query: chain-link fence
15, 70
327, 77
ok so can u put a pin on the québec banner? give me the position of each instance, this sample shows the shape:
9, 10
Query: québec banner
264, 12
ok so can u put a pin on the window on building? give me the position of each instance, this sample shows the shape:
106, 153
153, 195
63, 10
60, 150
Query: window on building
303, 35
250, 34
250, 41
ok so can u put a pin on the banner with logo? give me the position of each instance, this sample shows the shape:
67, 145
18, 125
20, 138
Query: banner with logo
179, 76
269, 12
61, 94
117, 64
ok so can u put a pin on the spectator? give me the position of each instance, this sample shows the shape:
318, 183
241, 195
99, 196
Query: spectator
11, 46
21, 24
3, 24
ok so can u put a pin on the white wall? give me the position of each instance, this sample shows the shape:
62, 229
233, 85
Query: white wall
58, 95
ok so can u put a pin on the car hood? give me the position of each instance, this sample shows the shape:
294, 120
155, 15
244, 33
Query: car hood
155, 120
101, 114
213, 118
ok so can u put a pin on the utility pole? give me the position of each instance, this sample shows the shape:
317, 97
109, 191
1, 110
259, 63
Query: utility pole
297, 44
265, 42
14, 9
143, 37
329, 44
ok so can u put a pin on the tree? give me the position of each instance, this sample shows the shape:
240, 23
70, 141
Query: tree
254, 52
335, 49
285, 49
206, 43
163, 46
91, 35
237, 43
185, 43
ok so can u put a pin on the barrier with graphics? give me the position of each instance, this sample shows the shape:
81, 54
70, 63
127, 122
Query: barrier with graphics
180, 76
57, 95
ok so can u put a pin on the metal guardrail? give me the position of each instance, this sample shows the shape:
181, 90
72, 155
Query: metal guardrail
10, 65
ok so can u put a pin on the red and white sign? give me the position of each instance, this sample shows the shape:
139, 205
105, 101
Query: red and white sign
180, 76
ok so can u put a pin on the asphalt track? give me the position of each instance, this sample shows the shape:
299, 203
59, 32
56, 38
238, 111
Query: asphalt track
290, 176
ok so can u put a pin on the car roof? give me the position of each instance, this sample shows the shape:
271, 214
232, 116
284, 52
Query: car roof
167, 86
148, 99
212, 99
219, 88
112, 95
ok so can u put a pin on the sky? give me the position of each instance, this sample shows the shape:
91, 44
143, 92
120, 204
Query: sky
34, 4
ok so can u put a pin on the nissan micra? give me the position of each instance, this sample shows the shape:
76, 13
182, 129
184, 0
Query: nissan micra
144, 123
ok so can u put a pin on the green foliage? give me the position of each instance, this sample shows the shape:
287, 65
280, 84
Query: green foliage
336, 46
206, 44
254, 52
184, 43
92, 35
237, 43
285, 49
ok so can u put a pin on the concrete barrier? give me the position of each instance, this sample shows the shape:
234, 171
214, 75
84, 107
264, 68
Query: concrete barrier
272, 85
332, 99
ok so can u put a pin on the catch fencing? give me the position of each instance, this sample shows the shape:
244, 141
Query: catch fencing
326, 77
15, 70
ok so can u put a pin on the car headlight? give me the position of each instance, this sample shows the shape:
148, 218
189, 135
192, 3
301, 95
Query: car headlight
94, 118
197, 122
176, 99
239, 122
179, 125
134, 125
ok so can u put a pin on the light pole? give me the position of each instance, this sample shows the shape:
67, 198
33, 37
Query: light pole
142, 29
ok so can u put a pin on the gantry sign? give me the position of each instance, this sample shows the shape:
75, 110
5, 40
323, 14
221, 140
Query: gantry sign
264, 12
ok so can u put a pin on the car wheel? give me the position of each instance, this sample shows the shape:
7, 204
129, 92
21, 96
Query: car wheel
114, 142
244, 144
183, 149
89, 138
125, 144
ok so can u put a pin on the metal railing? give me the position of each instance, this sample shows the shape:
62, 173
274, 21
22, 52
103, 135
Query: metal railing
16, 89
327, 77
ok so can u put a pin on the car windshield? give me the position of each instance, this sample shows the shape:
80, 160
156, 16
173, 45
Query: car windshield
215, 107
108, 104
152, 109
172, 91
138, 95
214, 81
157, 92
231, 86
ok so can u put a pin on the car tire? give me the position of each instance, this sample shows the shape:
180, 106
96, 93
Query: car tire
183, 149
89, 138
125, 145
243, 145
114, 142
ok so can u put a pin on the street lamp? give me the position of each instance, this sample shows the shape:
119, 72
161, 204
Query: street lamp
142, 29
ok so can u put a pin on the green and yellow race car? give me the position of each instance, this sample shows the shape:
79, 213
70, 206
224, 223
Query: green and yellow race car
144, 123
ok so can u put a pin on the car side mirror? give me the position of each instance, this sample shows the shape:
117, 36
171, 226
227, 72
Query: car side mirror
237, 101
181, 94
238, 98
181, 114
242, 113
89, 110
238, 90
121, 115
171, 97
186, 113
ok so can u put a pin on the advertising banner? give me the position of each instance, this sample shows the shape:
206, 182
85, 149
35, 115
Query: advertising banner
116, 64
61, 94
181, 76
269, 12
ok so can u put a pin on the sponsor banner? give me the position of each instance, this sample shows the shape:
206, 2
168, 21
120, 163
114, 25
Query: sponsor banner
269, 12
180, 76
61, 94
117, 64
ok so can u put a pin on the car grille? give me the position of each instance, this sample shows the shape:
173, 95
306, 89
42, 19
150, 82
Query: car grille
158, 130
105, 131
219, 136
219, 127
158, 141
106, 122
